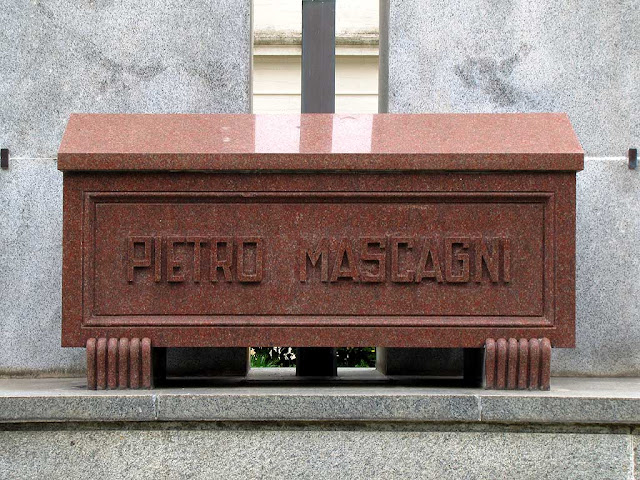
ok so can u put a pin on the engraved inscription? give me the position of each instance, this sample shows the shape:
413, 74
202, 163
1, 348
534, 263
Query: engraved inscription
450, 259
399, 259
271, 258
179, 259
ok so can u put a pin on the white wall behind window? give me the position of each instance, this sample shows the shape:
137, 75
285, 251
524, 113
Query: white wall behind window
352, 16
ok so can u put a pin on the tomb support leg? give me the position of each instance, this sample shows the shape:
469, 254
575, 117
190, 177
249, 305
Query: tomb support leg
517, 364
316, 362
473, 362
206, 361
435, 362
159, 365
119, 363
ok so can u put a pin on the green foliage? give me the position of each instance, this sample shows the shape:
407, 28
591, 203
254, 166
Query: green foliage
356, 357
273, 357
261, 360
286, 357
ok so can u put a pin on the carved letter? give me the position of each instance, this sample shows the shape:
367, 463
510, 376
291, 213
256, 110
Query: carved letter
429, 251
144, 261
490, 259
506, 260
157, 265
345, 251
216, 262
241, 274
396, 276
197, 248
321, 252
175, 265
377, 258
459, 257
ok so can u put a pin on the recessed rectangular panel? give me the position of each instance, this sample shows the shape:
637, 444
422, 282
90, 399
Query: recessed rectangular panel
325, 259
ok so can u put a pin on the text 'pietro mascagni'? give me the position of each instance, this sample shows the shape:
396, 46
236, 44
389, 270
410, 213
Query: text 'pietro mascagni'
396, 259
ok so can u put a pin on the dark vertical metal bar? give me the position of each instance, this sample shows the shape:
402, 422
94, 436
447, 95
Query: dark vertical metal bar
4, 158
633, 158
318, 96
318, 56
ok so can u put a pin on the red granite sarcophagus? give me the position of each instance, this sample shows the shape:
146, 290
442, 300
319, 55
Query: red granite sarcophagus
319, 230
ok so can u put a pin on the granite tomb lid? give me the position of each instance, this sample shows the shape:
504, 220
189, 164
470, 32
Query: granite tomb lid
320, 142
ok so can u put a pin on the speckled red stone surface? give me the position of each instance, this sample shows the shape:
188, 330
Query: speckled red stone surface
320, 142
319, 230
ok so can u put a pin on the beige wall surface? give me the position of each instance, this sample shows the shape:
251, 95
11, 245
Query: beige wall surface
276, 83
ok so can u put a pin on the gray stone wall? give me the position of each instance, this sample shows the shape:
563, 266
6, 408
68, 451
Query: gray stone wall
573, 56
31, 274
312, 451
104, 56
607, 272
265, 426
522, 56
59, 57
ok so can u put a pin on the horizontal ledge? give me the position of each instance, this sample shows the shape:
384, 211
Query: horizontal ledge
320, 142
272, 394
586, 159
321, 162
276, 50
267, 37
297, 94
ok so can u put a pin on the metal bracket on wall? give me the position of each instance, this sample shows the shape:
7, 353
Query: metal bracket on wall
4, 158
633, 158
